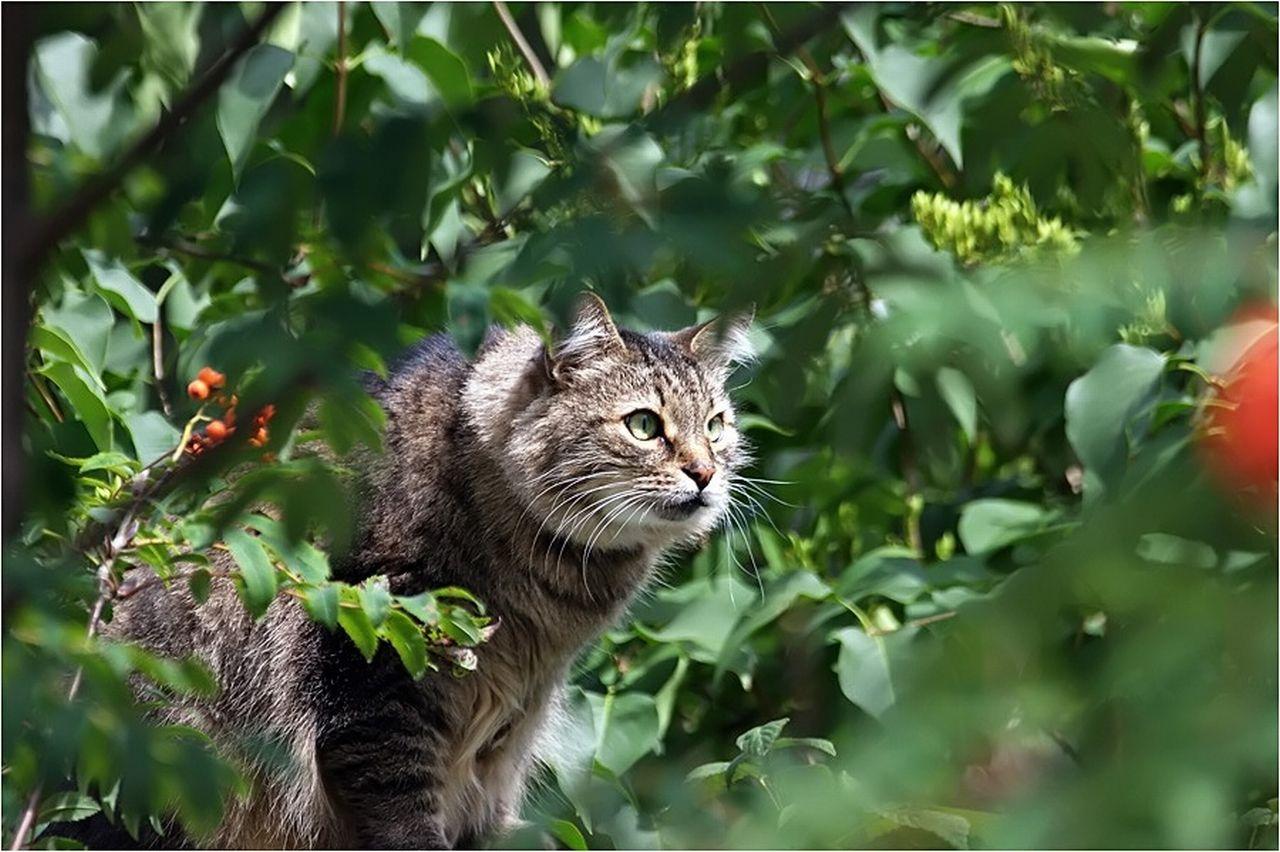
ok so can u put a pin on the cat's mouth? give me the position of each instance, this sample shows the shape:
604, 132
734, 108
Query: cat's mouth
680, 510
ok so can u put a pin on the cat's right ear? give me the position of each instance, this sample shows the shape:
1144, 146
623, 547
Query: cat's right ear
592, 338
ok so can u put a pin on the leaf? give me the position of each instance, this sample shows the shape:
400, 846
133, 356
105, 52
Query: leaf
153, 436
444, 69
1102, 405
708, 770
55, 342
421, 606
301, 557
67, 807
375, 599
460, 594
121, 288
990, 524
244, 99
353, 620
400, 20
84, 319
626, 727
255, 568
568, 834
957, 391
759, 741
862, 668
525, 170
321, 603
406, 637
88, 404
824, 746
95, 119
200, 582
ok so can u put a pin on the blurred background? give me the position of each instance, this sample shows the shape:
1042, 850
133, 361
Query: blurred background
1005, 574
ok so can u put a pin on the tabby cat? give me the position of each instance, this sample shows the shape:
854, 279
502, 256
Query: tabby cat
546, 480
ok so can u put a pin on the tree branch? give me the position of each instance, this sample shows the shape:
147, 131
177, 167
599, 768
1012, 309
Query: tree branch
57, 226
535, 65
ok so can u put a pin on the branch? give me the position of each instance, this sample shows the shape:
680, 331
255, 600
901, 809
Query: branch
535, 65
107, 586
340, 101
57, 226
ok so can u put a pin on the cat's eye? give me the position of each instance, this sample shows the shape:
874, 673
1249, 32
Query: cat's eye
643, 424
715, 427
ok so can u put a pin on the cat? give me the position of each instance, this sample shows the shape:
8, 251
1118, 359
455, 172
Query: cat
547, 480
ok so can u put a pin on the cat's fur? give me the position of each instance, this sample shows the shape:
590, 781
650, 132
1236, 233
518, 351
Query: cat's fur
487, 481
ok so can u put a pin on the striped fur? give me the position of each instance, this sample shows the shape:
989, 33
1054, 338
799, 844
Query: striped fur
513, 476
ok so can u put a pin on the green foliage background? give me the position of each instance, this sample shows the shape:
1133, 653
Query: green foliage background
984, 592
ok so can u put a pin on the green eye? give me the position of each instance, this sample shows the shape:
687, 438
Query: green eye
644, 424
715, 427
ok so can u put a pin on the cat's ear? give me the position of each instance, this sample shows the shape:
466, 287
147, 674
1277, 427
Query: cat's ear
592, 337
722, 342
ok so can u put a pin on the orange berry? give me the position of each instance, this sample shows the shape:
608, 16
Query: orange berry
229, 416
211, 377
217, 430
198, 390
262, 434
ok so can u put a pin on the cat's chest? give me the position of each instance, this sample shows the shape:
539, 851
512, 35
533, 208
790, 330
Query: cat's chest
500, 712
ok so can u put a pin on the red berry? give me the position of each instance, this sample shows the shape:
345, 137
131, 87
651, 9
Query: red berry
217, 430
211, 377
198, 390
1241, 444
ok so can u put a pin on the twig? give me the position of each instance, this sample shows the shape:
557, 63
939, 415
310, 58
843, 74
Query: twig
1202, 136
340, 67
57, 226
513, 29
819, 82
106, 590
38, 381
157, 360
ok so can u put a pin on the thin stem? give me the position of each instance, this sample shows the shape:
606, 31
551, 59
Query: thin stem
513, 29
340, 67
1197, 94
157, 360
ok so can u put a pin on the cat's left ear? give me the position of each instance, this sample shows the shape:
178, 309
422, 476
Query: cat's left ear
722, 342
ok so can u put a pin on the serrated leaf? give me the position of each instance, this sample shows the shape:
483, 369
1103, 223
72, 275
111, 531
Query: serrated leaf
375, 599
255, 568
321, 603
406, 637
357, 625
421, 606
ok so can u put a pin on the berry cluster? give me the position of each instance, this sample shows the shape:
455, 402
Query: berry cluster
207, 384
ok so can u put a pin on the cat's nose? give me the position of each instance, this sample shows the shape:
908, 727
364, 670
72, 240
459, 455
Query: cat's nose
700, 472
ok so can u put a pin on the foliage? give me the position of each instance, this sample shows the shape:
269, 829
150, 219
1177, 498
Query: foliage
981, 589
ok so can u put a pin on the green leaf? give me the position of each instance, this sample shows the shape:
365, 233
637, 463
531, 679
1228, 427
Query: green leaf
957, 391
1102, 407
353, 620
84, 319
824, 746
862, 668
406, 637
626, 728
758, 741
55, 342
400, 20
121, 288
322, 604
375, 599
444, 69
88, 404
990, 524
457, 593
67, 807
96, 119
153, 436
421, 606
568, 834
200, 582
255, 568
301, 557
245, 98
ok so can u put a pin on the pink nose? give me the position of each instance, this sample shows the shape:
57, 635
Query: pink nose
700, 472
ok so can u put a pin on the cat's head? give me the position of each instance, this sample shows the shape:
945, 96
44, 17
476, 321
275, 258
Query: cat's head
619, 438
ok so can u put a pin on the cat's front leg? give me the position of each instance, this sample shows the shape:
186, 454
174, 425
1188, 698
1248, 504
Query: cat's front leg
380, 750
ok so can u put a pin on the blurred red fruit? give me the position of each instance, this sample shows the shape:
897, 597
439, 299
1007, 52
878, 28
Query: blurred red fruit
1242, 439
198, 390
217, 430
211, 377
